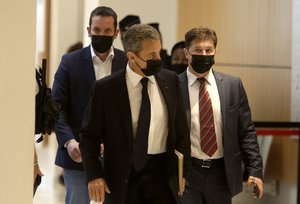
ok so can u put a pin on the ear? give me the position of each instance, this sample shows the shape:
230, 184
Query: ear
89, 31
116, 33
186, 53
130, 55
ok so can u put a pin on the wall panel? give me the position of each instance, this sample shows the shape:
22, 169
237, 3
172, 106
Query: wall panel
255, 32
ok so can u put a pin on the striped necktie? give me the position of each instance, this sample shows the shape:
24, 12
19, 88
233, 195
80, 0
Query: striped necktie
206, 117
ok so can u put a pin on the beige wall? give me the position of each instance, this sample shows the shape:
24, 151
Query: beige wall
66, 28
17, 91
254, 43
295, 82
162, 11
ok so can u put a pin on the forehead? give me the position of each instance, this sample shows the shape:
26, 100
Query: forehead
202, 43
178, 51
102, 21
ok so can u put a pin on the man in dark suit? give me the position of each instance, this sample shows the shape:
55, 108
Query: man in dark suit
73, 80
221, 129
139, 115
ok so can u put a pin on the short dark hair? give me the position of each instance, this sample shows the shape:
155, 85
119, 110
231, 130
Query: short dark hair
180, 44
128, 21
104, 11
203, 33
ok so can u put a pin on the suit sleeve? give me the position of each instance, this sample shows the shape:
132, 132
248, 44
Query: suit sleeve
248, 138
91, 135
60, 93
183, 143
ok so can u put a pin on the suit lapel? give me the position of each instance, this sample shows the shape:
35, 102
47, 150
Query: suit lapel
115, 66
87, 63
122, 99
222, 95
186, 96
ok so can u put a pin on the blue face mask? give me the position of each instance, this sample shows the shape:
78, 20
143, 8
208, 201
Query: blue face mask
152, 68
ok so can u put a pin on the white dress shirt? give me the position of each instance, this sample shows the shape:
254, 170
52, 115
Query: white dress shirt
158, 129
102, 68
212, 89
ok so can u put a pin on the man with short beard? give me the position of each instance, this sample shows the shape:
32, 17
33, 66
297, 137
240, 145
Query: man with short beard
75, 75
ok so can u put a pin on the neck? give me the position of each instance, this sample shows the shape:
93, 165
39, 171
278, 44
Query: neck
103, 55
198, 75
136, 69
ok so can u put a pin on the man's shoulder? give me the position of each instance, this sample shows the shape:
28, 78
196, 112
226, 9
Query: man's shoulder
78, 54
183, 76
119, 52
114, 77
167, 73
225, 76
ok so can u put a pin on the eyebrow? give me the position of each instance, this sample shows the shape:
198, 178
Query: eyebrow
204, 47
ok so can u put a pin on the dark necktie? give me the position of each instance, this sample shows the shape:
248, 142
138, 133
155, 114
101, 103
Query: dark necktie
206, 117
141, 140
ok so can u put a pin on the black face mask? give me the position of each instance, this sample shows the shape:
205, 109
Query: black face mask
202, 63
152, 67
102, 43
179, 68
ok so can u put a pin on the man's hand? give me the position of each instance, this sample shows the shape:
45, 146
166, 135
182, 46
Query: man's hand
73, 150
97, 189
259, 184
36, 167
36, 171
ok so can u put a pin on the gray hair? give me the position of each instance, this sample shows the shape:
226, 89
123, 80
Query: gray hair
136, 35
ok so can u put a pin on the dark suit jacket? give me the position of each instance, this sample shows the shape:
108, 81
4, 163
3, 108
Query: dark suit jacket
108, 119
73, 81
239, 135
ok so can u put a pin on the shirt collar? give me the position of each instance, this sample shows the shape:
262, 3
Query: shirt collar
193, 78
110, 54
136, 78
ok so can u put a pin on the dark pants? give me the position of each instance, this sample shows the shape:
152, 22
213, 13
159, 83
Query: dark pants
207, 185
150, 186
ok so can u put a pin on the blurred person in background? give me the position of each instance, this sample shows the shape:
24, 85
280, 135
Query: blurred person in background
179, 62
126, 22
